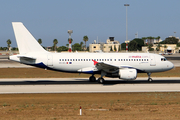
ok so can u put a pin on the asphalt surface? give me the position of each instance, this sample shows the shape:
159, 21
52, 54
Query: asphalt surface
82, 85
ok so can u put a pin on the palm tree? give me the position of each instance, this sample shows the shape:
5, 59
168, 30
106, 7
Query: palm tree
144, 38
40, 41
85, 38
158, 38
158, 47
8, 43
81, 43
55, 41
150, 40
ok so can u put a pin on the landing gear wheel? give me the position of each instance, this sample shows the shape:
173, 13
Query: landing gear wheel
150, 79
101, 80
92, 79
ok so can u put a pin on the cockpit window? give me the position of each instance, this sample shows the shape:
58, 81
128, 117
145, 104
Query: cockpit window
163, 59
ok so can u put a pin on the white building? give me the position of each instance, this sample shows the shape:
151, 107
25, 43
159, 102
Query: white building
105, 47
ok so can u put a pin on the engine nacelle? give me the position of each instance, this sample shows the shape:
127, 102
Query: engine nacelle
127, 74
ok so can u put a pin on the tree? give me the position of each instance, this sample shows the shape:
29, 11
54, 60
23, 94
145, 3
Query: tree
158, 38
55, 42
85, 38
140, 43
81, 43
150, 40
8, 43
40, 41
165, 46
67, 45
77, 47
170, 40
144, 39
133, 45
62, 48
150, 47
123, 46
158, 47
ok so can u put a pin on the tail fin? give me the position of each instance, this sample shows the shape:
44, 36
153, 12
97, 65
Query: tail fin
25, 41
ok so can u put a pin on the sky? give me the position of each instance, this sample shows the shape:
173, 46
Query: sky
51, 19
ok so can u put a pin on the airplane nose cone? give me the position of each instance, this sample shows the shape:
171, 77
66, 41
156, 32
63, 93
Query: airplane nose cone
170, 65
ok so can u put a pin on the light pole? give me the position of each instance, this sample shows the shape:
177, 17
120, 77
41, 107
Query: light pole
174, 34
126, 26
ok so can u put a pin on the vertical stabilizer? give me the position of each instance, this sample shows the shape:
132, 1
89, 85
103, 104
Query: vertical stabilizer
25, 41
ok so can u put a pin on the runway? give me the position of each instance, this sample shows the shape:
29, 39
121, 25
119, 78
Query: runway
82, 85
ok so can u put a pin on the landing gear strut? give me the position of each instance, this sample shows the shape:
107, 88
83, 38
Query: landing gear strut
92, 78
149, 77
101, 79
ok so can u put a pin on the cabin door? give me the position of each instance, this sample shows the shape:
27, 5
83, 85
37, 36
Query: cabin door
152, 61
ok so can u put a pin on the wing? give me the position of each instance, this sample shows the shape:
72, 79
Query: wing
107, 67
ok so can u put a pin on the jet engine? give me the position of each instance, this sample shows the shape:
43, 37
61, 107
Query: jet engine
127, 74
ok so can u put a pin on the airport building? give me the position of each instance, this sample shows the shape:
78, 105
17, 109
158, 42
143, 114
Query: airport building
164, 48
110, 45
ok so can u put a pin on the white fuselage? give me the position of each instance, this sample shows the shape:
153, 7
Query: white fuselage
75, 62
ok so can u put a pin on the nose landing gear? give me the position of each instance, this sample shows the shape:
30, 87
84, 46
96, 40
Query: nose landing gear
149, 77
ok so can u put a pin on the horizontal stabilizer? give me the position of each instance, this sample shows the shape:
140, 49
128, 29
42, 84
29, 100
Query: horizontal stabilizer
26, 57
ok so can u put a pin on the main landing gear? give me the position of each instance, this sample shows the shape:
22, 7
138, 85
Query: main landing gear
92, 78
149, 77
101, 80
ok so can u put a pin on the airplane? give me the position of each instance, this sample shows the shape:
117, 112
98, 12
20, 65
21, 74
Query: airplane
116, 65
